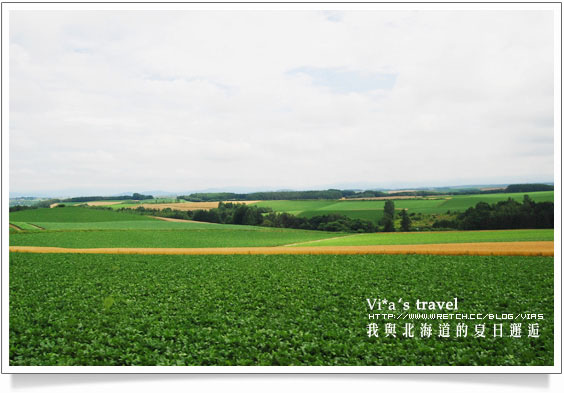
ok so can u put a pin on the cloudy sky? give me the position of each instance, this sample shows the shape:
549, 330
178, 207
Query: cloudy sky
114, 101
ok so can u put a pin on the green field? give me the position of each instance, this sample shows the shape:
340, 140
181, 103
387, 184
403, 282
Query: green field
370, 239
267, 310
373, 209
73, 214
80, 227
167, 238
152, 224
25, 226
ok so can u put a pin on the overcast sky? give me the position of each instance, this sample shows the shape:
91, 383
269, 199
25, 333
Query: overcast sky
107, 102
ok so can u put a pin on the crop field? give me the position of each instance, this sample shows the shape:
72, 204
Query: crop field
538, 248
373, 209
368, 239
236, 298
170, 238
79, 227
68, 309
24, 226
73, 214
142, 225
175, 205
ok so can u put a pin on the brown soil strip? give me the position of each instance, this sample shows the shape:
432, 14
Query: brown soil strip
36, 226
500, 248
17, 228
103, 203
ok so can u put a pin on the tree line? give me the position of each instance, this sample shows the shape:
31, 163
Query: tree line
241, 214
135, 196
266, 196
508, 214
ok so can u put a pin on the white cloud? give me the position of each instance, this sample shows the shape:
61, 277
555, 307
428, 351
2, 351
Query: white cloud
115, 101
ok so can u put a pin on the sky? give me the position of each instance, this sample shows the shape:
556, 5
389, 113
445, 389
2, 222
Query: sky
104, 102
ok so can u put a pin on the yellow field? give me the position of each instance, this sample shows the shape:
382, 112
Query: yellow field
544, 248
102, 203
93, 203
188, 205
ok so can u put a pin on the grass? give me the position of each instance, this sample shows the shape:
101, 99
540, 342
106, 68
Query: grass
73, 214
152, 224
265, 310
171, 238
26, 226
370, 239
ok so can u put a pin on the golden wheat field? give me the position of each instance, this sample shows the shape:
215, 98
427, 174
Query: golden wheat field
540, 248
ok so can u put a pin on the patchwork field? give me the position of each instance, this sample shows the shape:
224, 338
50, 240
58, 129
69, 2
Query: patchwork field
266, 309
373, 209
236, 298
80, 227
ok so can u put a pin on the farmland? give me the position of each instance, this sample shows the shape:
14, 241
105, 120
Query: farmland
166, 238
78, 227
369, 239
72, 214
187, 206
373, 209
263, 310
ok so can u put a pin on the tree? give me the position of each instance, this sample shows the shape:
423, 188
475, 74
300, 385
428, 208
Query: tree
389, 215
389, 209
405, 221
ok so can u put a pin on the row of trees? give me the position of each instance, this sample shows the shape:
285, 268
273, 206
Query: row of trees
267, 196
388, 221
136, 196
508, 214
241, 214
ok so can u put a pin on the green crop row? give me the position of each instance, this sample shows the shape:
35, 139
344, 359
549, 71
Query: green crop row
26, 226
141, 225
369, 239
171, 238
101, 310
73, 214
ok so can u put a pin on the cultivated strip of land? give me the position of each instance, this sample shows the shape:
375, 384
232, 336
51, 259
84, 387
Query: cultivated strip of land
541, 248
185, 206
36, 226
176, 220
